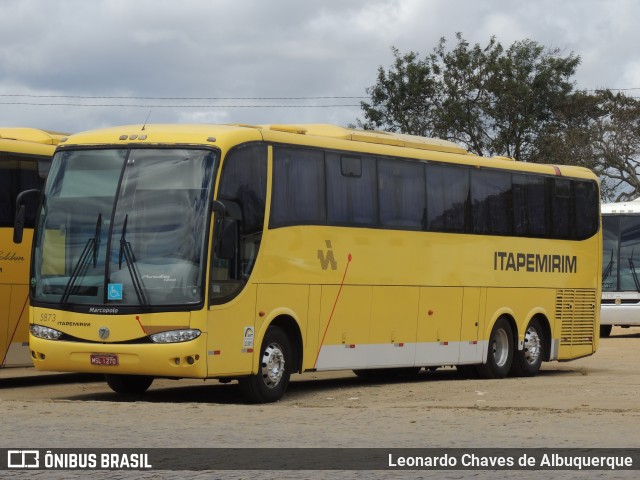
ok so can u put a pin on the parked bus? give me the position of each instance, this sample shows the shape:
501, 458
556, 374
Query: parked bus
25, 157
620, 277
252, 252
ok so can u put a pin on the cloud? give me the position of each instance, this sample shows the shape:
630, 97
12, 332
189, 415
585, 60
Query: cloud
250, 54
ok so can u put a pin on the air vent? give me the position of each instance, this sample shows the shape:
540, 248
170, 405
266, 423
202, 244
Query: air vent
576, 312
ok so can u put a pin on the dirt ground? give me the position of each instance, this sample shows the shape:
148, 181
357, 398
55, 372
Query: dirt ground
588, 403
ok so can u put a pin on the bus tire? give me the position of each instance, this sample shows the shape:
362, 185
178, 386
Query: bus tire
527, 362
276, 361
605, 330
129, 384
500, 355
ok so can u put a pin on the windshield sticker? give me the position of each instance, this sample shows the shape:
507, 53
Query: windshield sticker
115, 291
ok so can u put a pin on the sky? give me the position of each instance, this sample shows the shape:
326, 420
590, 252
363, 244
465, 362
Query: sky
75, 65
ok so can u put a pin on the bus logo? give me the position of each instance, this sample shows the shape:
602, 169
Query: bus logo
328, 259
103, 333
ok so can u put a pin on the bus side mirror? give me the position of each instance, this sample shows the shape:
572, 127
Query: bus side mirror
18, 224
227, 239
226, 232
21, 212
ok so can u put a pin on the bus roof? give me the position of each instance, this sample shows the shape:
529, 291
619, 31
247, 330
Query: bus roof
331, 136
632, 206
30, 141
33, 135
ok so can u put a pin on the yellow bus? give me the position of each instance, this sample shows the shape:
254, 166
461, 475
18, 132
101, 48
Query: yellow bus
25, 157
249, 253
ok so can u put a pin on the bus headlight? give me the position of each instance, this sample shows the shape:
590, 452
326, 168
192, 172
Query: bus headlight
45, 332
175, 336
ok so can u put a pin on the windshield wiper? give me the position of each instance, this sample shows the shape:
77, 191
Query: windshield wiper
607, 270
90, 250
633, 272
127, 252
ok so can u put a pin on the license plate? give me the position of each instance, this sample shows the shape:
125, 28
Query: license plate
104, 359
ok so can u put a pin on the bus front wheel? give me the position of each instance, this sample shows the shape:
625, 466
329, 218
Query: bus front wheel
500, 355
271, 381
527, 362
129, 384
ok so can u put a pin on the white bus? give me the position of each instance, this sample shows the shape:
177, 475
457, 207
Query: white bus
620, 265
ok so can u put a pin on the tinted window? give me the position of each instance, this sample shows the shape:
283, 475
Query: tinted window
17, 174
586, 207
562, 212
298, 187
401, 187
491, 202
529, 205
447, 194
351, 190
244, 181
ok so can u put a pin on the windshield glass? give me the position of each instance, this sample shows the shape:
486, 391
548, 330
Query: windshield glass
124, 227
621, 253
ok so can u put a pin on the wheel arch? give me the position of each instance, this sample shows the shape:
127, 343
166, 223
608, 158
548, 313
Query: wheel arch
509, 316
287, 321
546, 330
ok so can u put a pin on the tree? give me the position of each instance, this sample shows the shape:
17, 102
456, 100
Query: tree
599, 131
493, 101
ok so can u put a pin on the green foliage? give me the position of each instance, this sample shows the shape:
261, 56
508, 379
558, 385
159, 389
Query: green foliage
493, 101
518, 102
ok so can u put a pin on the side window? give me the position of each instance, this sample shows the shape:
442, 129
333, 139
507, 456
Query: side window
298, 195
243, 187
447, 198
587, 211
491, 202
562, 208
351, 190
18, 173
244, 181
529, 206
401, 193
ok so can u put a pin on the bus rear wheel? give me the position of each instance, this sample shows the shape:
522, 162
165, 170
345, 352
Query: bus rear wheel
129, 384
500, 355
527, 362
272, 379
605, 330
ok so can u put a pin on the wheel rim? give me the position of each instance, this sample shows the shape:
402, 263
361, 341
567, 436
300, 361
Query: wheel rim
500, 347
532, 345
272, 365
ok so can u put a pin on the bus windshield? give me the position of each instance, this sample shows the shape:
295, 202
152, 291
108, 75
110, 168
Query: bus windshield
621, 253
124, 227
